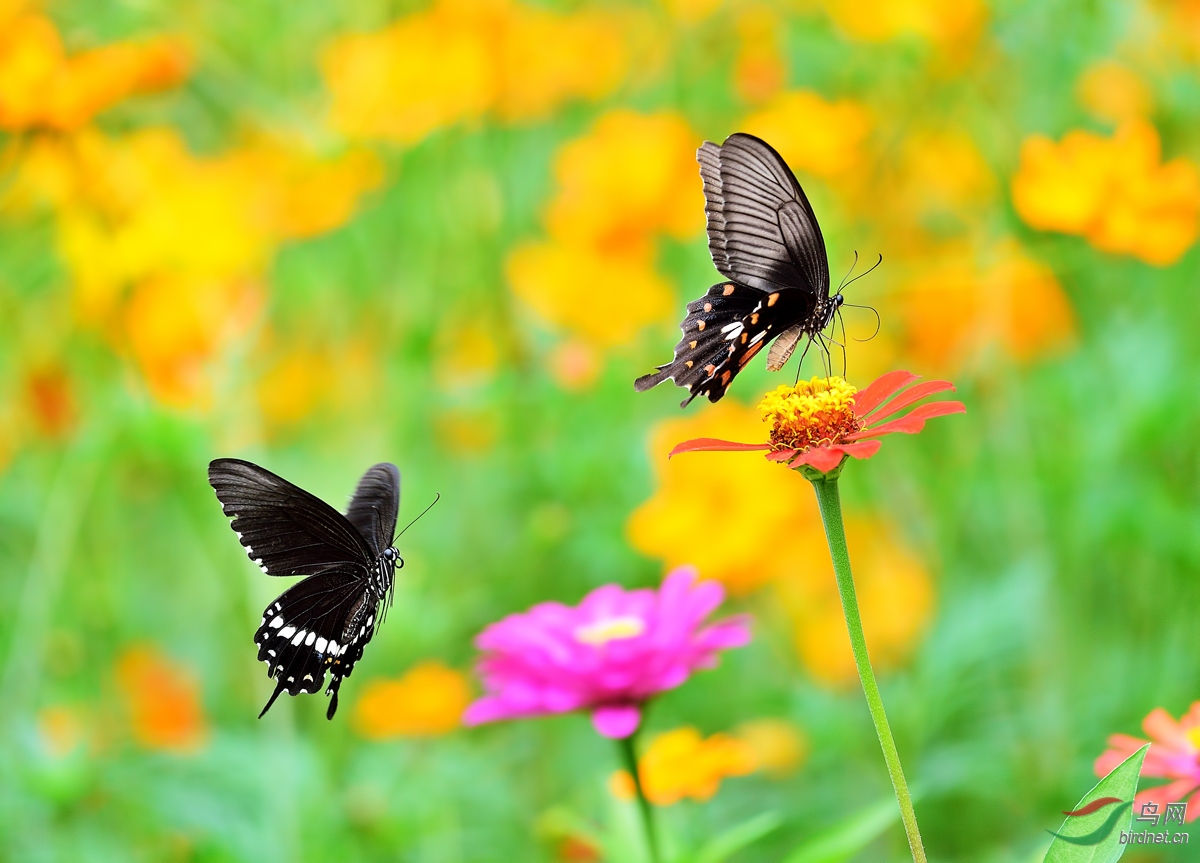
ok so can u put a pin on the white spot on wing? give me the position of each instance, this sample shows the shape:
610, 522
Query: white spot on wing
287, 631
312, 636
276, 622
299, 638
321, 645
758, 338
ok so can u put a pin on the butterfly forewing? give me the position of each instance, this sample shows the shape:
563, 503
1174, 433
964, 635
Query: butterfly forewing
284, 529
374, 506
320, 624
764, 237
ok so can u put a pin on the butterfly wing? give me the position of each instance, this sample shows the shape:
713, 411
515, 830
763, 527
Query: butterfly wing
762, 231
374, 507
317, 625
722, 331
284, 529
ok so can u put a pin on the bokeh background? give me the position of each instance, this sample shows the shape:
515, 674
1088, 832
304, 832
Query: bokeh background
449, 235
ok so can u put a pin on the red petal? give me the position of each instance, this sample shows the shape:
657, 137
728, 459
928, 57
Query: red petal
869, 399
913, 422
823, 458
862, 449
781, 455
712, 444
910, 396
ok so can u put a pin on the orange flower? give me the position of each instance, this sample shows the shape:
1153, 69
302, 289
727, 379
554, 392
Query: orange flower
780, 747
40, 87
955, 311
953, 24
681, 763
760, 70
1114, 92
823, 138
51, 400
163, 701
819, 423
631, 177
427, 701
1115, 191
459, 60
752, 497
896, 599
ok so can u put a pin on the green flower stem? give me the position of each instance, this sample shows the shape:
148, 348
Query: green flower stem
629, 756
826, 488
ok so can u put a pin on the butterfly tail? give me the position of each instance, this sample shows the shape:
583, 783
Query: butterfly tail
279, 687
333, 702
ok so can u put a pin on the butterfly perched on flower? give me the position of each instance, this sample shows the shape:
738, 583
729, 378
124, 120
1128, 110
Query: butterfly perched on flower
320, 624
763, 238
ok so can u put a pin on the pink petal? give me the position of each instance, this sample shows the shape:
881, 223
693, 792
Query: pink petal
616, 720
913, 422
1162, 728
781, 455
823, 458
869, 399
908, 397
712, 444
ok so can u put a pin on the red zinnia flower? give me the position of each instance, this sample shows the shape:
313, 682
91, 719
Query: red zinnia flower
820, 422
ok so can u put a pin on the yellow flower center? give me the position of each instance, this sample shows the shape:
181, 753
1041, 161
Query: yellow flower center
812, 413
610, 629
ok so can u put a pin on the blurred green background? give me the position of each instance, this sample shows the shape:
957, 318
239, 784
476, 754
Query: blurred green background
322, 235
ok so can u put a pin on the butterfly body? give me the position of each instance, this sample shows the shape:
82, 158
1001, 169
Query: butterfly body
764, 238
321, 624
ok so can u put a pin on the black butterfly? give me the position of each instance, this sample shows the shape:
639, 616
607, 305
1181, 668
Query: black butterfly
323, 622
764, 238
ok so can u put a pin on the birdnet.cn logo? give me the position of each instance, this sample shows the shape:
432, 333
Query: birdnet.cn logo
1176, 813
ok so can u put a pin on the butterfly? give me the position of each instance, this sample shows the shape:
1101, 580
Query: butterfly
320, 624
764, 238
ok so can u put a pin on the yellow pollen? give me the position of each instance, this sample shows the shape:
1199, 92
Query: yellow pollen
1193, 735
812, 413
610, 629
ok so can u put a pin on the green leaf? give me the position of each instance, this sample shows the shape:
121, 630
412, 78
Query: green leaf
849, 836
720, 848
1096, 837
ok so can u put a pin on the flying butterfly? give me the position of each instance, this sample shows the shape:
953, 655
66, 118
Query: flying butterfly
320, 624
764, 238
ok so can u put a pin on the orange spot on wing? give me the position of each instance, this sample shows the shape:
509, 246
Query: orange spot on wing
755, 348
771, 300
729, 289
700, 325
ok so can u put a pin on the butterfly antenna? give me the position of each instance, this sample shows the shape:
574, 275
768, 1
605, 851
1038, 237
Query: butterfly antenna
436, 498
848, 272
842, 323
860, 275
872, 310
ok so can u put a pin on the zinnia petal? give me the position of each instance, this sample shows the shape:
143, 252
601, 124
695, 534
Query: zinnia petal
913, 422
910, 396
823, 458
616, 721
711, 444
880, 389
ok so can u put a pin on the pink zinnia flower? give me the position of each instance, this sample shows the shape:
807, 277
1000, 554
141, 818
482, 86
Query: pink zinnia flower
1174, 754
609, 655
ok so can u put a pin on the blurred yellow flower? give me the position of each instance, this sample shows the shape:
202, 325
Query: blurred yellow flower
1115, 191
466, 430
1113, 92
41, 87
691, 11
895, 595
427, 701
953, 24
714, 512
162, 699
759, 70
780, 747
681, 763
465, 351
130, 212
629, 178
461, 59
560, 283
294, 385
812, 134
60, 730
953, 312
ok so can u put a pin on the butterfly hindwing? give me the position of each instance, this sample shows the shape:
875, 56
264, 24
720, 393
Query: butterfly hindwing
723, 330
284, 529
